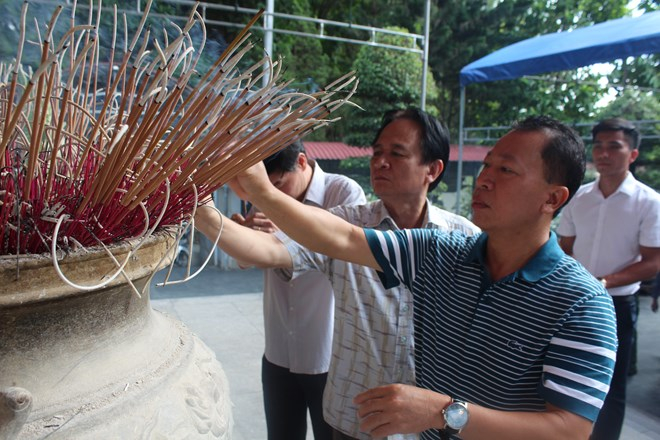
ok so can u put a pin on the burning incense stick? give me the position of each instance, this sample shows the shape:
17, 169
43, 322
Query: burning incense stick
98, 154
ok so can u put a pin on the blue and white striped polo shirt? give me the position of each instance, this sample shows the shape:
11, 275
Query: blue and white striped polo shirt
544, 334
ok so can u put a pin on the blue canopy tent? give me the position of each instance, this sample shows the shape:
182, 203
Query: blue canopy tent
607, 41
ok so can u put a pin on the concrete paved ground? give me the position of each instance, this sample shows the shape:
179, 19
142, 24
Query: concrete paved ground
224, 309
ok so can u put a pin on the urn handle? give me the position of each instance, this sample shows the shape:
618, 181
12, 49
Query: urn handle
15, 406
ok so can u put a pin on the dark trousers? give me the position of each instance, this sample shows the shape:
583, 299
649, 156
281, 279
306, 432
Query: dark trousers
632, 369
610, 419
287, 397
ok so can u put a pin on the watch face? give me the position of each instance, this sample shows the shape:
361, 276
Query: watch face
456, 416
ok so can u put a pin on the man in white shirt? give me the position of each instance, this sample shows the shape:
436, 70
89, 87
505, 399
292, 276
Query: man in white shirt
298, 314
612, 227
373, 337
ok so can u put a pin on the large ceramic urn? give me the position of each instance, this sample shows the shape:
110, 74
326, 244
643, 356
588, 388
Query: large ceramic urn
101, 363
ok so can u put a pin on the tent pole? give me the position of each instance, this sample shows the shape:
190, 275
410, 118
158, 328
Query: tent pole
425, 54
459, 167
268, 36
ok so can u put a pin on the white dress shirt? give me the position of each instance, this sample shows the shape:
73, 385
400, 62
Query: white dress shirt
609, 231
299, 314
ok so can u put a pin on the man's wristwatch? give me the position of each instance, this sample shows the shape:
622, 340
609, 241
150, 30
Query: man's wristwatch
456, 416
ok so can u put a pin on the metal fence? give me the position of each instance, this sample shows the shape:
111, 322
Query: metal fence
324, 28
649, 129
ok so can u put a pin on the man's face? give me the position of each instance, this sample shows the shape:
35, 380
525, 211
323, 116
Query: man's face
292, 183
511, 191
612, 154
396, 165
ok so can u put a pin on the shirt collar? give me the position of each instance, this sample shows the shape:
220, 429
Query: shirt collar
380, 214
628, 186
316, 190
541, 264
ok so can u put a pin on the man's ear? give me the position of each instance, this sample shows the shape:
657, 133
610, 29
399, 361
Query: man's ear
302, 161
435, 169
633, 155
556, 199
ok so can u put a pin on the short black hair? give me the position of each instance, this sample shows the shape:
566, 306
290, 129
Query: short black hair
629, 130
285, 159
564, 157
435, 136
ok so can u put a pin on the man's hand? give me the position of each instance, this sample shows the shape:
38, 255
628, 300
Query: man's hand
251, 182
399, 409
257, 221
407, 409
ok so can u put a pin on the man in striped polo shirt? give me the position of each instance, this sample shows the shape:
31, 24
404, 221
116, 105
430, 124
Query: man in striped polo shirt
513, 338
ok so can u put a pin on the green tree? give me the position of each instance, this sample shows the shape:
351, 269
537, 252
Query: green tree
465, 31
305, 62
310, 62
389, 79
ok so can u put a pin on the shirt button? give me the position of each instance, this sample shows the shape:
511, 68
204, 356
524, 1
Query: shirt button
405, 308
403, 339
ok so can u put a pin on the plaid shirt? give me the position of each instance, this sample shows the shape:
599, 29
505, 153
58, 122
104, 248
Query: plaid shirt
373, 333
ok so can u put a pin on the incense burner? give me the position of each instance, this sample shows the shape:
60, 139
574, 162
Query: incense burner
102, 363
113, 143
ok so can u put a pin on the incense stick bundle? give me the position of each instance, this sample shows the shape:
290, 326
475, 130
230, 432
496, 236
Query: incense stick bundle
110, 155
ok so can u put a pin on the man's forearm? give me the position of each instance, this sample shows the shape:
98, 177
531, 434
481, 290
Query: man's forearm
645, 269
551, 424
640, 271
315, 228
247, 246
404, 409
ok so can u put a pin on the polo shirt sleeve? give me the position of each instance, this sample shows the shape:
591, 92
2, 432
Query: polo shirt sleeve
580, 361
399, 254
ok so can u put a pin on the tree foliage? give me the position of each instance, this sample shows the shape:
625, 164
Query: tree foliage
461, 32
465, 31
389, 79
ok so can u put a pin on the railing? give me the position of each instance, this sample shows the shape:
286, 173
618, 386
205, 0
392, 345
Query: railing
649, 129
414, 41
322, 25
